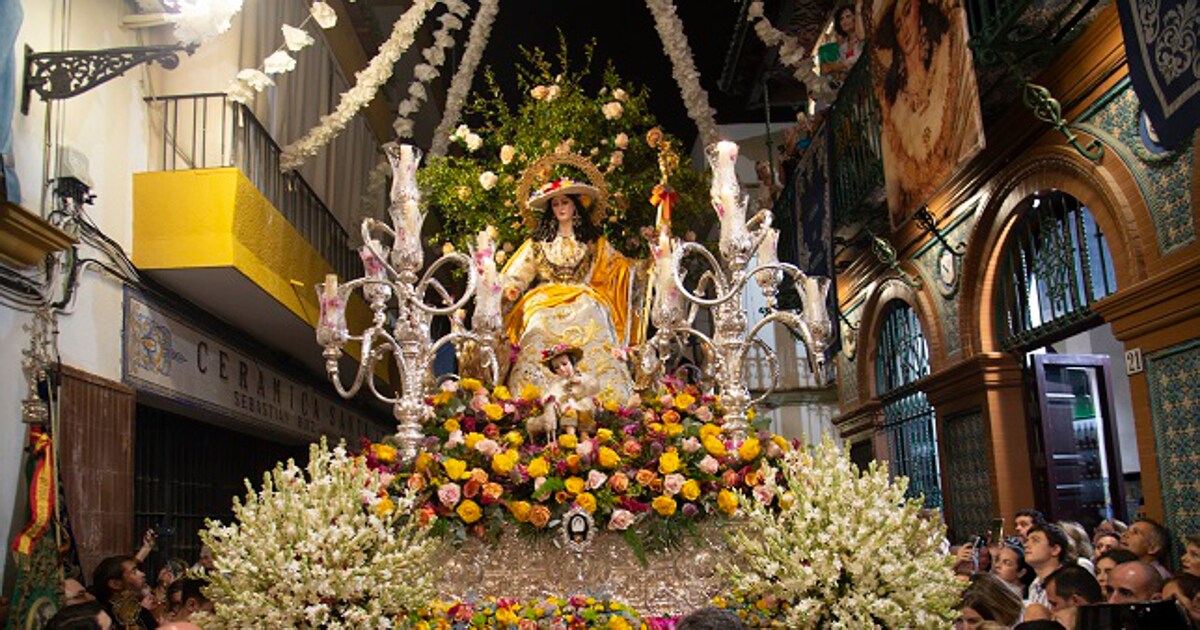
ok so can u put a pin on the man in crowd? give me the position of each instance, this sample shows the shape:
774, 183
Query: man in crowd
1134, 582
1069, 588
1025, 520
1148, 540
1046, 550
193, 600
117, 583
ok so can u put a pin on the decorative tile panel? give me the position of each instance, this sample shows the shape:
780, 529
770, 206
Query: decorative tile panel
926, 260
1173, 377
1164, 177
968, 481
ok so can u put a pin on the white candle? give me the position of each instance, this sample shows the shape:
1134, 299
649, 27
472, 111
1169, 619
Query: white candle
724, 191
815, 290
767, 248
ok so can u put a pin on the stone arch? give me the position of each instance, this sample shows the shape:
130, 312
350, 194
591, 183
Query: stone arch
883, 294
1112, 198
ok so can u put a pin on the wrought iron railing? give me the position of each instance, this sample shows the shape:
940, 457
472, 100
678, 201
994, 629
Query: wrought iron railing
1008, 31
211, 131
856, 158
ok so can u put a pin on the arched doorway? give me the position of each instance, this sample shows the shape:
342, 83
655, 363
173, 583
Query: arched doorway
1054, 265
908, 418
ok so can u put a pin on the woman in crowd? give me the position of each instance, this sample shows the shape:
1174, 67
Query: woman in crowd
1009, 566
1189, 562
1081, 545
988, 599
1184, 588
1108, 561
1103, 543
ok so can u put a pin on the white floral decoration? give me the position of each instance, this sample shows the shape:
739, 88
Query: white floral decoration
198, 21
377, 72
612, 110
320, 547
296, 39
791, 52
279, 62
847, 550
456, 96
256, 79
248, 82
487, 179
324, 14
683, 68
434, 56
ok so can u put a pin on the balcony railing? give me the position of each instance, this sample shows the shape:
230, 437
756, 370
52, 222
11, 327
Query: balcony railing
1012, 31
856, 158
211, 131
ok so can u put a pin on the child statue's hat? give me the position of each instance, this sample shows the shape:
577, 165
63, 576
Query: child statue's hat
560, 349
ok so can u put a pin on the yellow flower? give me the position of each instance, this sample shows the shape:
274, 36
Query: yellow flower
442, 398
574, 485
530, 392
568, 441
587, 501
423, 462
384, 452
714, 446
603, 435
385, 506
503, 463
506, 616
690, 490
450, 425
469, 511
727, 502
668, 462
664, 505
787, 500
609, 458
455, 469
538, 467
501, 393
749, 449
710, 430
514, 438
520, 510
674, 429
470, 384
751, 414
617, 623
685, 400
472, 439
780, 442
493, 411
611, 405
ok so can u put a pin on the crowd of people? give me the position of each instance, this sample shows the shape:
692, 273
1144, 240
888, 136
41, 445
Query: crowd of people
1054, 576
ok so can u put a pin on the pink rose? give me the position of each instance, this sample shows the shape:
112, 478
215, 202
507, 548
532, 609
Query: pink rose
596, 479
666, 400
487, 447
449, 494
704, 414
709, 465
773, 450
621, 520
673, 483
454, 439
584, 448
763, 493
691, 445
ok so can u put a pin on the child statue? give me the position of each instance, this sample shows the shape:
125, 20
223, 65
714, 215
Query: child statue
570, 398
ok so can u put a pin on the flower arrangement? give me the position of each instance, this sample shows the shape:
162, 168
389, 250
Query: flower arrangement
558, 613
564, 109
840, 548
653, 468
325, 546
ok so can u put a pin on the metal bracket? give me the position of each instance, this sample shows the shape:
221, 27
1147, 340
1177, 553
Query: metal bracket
61, 75
887, 255
928, 222
1048, 110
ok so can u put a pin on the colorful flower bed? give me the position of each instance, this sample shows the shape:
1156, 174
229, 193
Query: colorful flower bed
653, 467
552, 613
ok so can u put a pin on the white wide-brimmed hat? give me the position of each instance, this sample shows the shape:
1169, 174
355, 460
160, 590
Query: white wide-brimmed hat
562, 186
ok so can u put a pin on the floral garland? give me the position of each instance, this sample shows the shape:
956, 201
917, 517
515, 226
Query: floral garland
251, 80
198, 21
791, 52
481, 30
841, 548
377, 72
423, 73
683, 68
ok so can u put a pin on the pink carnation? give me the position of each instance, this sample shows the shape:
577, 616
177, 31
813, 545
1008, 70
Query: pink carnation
487, 447
673, 483
449, 494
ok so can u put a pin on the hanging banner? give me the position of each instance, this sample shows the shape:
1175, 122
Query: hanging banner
175, 360
1164, 64
925, 84
814, 207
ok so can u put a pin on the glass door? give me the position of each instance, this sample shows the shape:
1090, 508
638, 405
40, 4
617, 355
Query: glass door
1082, 462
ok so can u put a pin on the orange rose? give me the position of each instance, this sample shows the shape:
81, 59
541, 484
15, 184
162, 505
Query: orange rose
670, 416
561, 496
416, 482
492, 492
644, 476
573, 462
471, 489
479, 475
618, 482
539, 515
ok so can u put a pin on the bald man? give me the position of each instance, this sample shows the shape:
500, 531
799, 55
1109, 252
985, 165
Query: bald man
1134, 582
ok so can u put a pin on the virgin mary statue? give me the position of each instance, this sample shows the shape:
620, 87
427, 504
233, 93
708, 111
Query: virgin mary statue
567, 285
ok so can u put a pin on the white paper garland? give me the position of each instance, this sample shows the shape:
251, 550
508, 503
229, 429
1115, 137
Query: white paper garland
791, 52
423, 73
683, 68
481, 29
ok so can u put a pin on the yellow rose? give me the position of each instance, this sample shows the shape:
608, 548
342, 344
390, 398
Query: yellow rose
568, 441
710, 430
469, 511
530, 392
470, 384
749, 449
441, 398
384, 452
514, 438
604, 435
423, 462
538, 467
520, 510
450, 425
727, 502
685, 400
609, 458
385, 506
780, 442
611, 406
574, 485
587, 501
501, 393
674, 429
690, 490
506, 616
751, 414
715, 446
493, 411
455, 469
503, 463
787, 500
668, 462
472, 439
664, 505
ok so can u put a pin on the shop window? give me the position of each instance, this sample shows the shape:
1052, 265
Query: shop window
1056, 265
901, 360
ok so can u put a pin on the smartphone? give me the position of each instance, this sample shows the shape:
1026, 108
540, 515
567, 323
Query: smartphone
997, 531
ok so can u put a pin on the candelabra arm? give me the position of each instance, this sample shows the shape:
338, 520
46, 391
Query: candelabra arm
368, 226
725, 292
773, 362
428, 281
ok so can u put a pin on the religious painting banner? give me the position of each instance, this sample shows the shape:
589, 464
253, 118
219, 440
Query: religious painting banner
925, 83
815, 209
1164, 64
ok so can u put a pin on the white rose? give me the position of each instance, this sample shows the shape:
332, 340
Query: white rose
622, 141
507, 153
461, 132
612, 110
617, 158
552, 92
620, 94
473, 142
538, 92
487, 179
